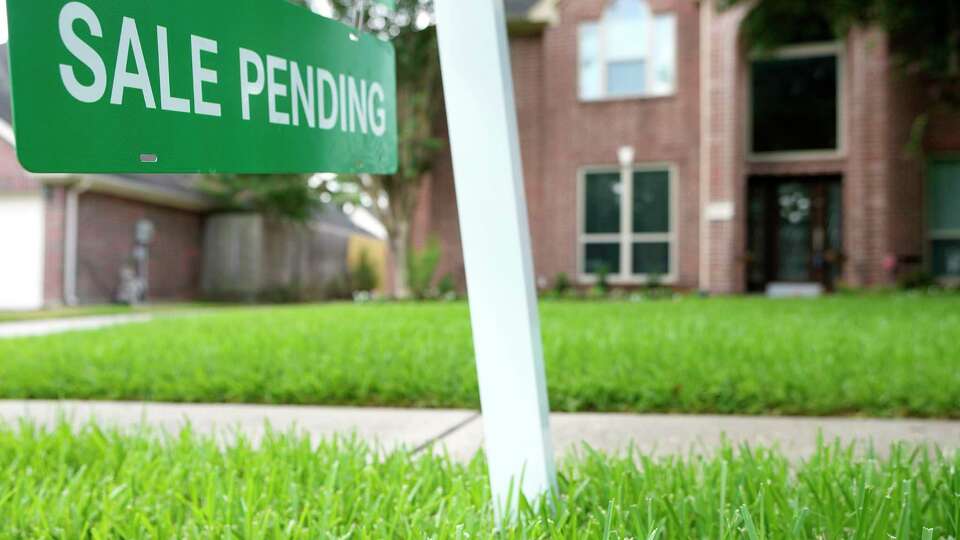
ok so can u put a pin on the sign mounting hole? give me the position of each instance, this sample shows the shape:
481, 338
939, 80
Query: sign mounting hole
149, 158
354, 37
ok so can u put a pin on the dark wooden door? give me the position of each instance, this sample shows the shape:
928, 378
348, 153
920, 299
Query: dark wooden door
794, 231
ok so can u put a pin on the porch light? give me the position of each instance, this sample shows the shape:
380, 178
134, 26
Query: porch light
626, 155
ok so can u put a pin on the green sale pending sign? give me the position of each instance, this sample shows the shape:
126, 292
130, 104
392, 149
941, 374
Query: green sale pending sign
176, 86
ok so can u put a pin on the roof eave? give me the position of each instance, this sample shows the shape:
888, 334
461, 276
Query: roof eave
122, 187
522, 27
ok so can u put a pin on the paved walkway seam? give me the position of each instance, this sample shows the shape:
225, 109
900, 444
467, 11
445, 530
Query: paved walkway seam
455, 428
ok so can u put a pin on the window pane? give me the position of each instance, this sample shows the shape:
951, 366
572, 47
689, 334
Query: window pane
795, 242
664, 55
652, 258
795, 104
944, 196
602, 256
946, 258
627, 8
651, 202
626, 78
626, 30
591, 79
603, 203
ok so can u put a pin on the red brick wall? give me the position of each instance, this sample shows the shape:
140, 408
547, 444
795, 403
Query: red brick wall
724, 136
12, 176
911, 107
577, 134
106, 238
559, 135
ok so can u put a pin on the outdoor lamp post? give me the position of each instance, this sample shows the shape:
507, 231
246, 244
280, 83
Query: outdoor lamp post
626, 155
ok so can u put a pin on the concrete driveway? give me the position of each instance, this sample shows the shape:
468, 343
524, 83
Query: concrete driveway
59, 326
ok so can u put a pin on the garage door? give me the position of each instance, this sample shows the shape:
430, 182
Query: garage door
21, 251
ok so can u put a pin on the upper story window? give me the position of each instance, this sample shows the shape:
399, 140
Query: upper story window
629, 52
795, 101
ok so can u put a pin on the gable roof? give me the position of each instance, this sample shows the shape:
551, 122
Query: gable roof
166, 189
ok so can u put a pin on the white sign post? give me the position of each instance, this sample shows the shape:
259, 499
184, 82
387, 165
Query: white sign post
482, 119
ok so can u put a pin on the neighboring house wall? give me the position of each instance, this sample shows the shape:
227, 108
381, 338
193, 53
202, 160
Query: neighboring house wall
21, 235
106, 240
13, 178
21, 250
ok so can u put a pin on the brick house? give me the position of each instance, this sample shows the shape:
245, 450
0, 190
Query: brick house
656, 145
64, 238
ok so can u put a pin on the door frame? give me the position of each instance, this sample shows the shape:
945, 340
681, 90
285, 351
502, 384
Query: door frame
767, 186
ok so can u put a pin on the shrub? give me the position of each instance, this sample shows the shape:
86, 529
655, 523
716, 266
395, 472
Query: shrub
447, 287
561, 284
364, 277
915, 280
422, 268
338, 288
602, 286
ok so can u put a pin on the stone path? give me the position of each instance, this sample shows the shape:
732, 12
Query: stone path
460, 432
59, 326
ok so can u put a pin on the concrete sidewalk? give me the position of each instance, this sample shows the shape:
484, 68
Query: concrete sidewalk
75, 324
460, 432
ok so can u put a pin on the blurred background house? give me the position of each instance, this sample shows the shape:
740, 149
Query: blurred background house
660, 146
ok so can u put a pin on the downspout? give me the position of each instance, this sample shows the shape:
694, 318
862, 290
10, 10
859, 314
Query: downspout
70, 235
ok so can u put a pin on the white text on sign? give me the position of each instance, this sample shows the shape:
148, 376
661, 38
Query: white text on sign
314, 97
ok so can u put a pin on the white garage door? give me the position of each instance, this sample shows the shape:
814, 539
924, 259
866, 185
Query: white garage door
21, 251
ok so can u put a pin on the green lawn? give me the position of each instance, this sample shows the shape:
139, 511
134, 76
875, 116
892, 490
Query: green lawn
891, 355
95, 483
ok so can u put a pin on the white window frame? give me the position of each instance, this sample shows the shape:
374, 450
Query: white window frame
938, 234
626, 237
649, 72
793, 52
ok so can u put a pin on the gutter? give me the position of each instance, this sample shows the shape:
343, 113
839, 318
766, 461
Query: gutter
129, 189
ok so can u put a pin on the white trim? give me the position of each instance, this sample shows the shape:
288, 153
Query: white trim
792, 52
803, 50
7, 134
544, 11
649, 73
626, 237
934, 235
706, 95
71, 232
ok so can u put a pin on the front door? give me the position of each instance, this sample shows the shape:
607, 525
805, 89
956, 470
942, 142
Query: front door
794, 230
